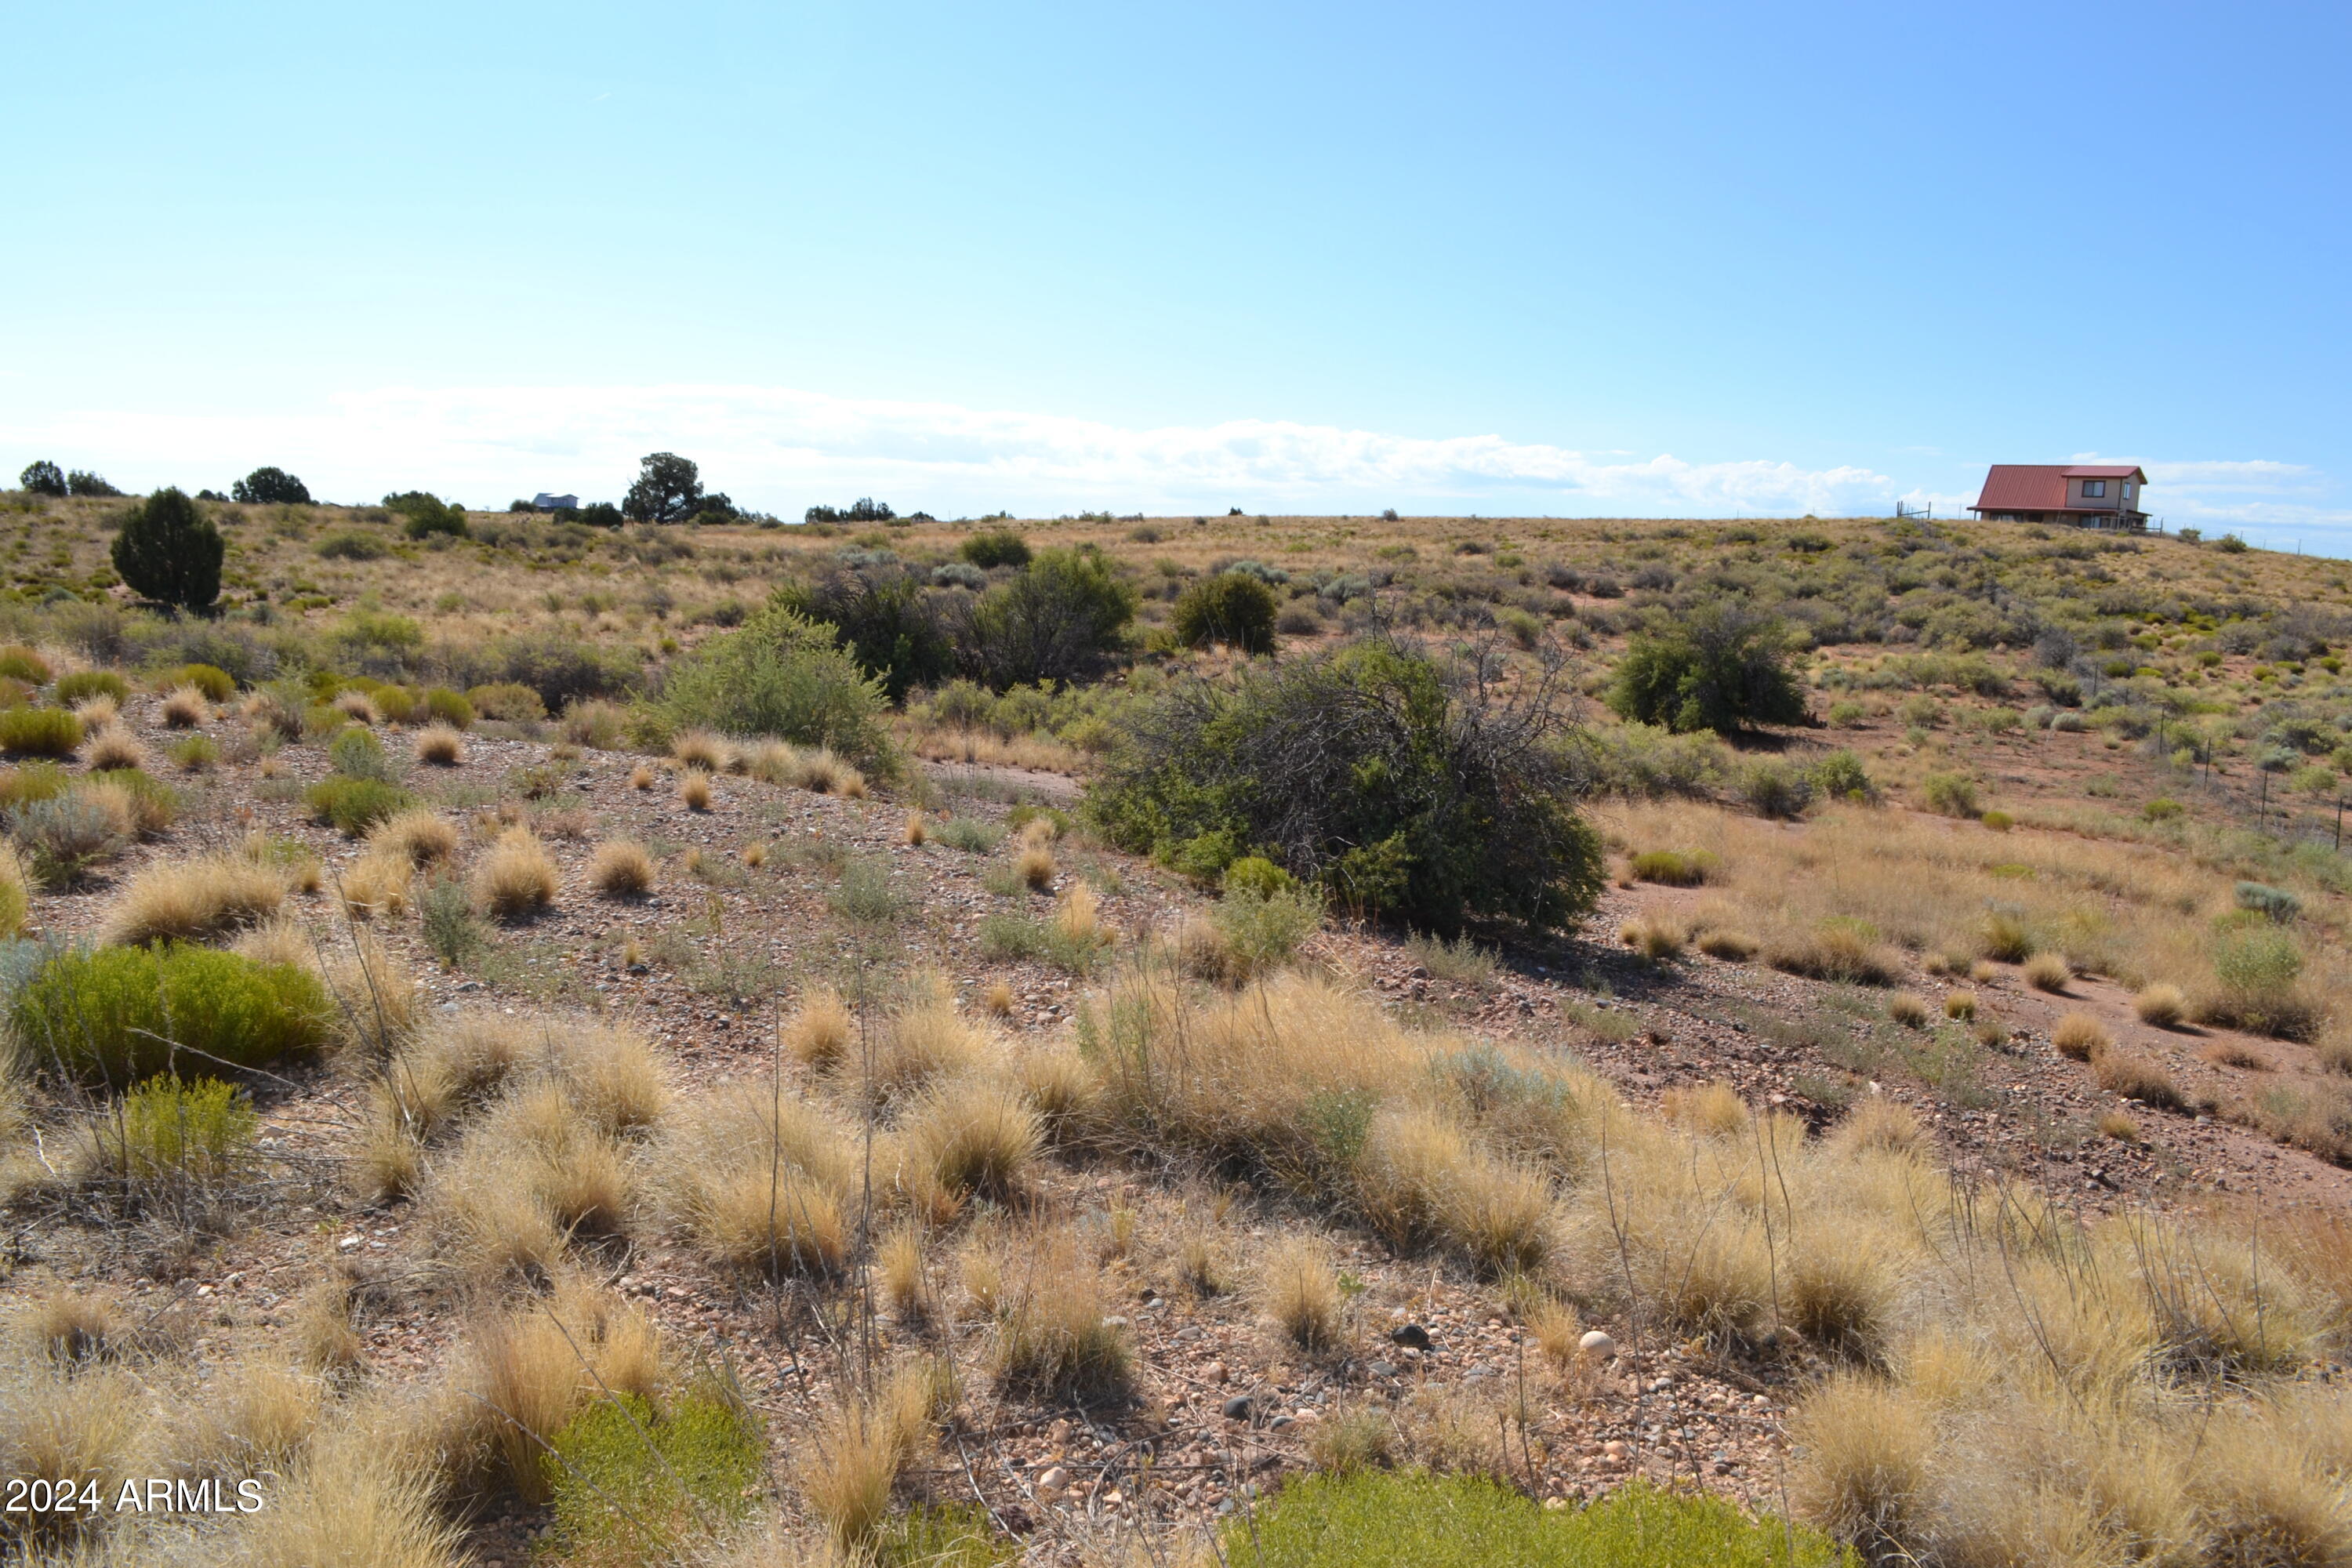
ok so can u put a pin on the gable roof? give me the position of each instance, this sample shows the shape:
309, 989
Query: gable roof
2042, 487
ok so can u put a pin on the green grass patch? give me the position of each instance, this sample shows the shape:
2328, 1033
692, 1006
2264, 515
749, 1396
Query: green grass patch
631, 1483
84, 684
38, 731
352, 805
169, 1131
1461, 1522
122, 1014
1007, 937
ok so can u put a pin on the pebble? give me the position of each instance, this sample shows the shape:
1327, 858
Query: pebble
1598, 1344
1053, 1483
1237, 1408
1412, 1336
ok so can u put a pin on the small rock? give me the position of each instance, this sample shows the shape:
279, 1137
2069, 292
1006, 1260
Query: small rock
1214, 1372
1412, 1336
1382, 1369
1237, 1408
1053, 1483
1597, 1344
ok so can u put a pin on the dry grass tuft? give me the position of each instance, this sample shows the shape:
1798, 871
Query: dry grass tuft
694, 789
2137, 1078
69, 1327
926, 1039
2233, 1054
760, 1181
184, 708
2049, 972
114, 746
193, 900
1876, 1122
1655, 937
378, 883
997, 998
918, 830
702, 749
1960, 1006
2114, 1124
2080, 1037
899, 1273
1052, 1342
1035, 866
620, 869
1077, 917
516, 878
1299, 1292
643, 776
1710, 1110
1907, 1008
1840, 950
1865, 1456
358, 705
978, 1139
440, 745
419, 836
848, 1473
1731, 946
820, 1031
2160, 1005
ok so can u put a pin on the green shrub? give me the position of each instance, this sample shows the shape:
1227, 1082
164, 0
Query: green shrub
1721, 667
867, 894
197, 754
117, 1013
1457, 963
1839, 775
995, 547
31, 781
1062, 617
1369, 1516
64, 837
1954, 794
352, 805
780, 675
1999, 821
20, 663
970, 834
1232, 607
356, 753
165, 1131
884, 618
2258, 965
449, 925
2161, 809
1848, 715
2277, 903
449, 707
1262, 929
38, 731
1775, 788
425, 514
170, 552
350, 544
1674, 868
216, 683
1256, 875
629, 1482
507, 699
1396, 784
84, 684
1006, 938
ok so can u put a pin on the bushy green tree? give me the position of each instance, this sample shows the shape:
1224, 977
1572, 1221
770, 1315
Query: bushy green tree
1232, 607
270, 486
779, 674
82, 482
423, 512
1062, 617
1399, 784
995, 547
43, 478
885, 617
1722, 668
170, 552
668, 489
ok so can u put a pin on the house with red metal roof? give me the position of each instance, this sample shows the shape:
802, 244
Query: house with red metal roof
2088, 495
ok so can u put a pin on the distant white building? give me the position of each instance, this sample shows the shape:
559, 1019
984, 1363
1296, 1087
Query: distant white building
546, 502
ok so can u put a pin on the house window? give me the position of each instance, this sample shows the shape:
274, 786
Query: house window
2127, 493
2094, 489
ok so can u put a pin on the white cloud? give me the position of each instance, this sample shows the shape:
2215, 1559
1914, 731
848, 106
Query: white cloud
779, 449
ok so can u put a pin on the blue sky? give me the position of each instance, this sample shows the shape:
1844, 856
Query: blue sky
1652, 259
